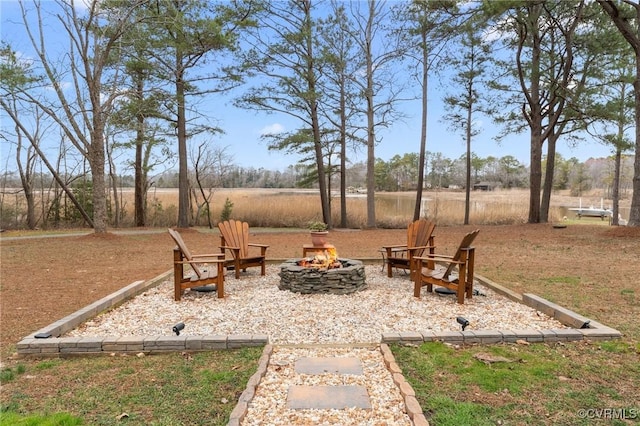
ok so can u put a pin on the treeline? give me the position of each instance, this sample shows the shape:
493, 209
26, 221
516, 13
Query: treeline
52, 207
134, 87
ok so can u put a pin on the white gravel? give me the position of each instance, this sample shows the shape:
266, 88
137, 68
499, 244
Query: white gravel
254, 305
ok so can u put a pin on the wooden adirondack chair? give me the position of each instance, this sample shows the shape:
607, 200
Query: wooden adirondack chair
463, 260
234, 237
213, 273
419, 238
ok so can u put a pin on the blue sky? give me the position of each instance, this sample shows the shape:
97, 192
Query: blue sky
244, 128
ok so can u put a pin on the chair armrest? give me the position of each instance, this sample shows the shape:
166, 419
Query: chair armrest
446, 259
198, 256
420, 248
395, 246
258, 245
199, 262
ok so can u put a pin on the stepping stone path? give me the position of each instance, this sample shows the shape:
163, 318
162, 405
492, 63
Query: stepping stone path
328, 397
328, 385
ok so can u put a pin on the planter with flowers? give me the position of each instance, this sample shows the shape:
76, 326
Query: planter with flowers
319, 232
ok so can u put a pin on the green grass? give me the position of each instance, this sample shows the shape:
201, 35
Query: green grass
58, 419
8, 374
542, 384
171, 389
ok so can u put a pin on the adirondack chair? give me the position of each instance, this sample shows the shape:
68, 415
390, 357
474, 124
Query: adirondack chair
234, 238
463, 259
419, 238
208, 268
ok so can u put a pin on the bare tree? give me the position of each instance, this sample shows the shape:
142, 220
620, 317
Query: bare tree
211, 165
426, 26
378, 83
92, 36
339, 63
18, 79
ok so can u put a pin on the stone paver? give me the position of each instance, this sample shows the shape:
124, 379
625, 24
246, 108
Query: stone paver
340, 365
327, 397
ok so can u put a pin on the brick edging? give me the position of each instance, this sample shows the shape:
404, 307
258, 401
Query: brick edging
240, 411
411, 404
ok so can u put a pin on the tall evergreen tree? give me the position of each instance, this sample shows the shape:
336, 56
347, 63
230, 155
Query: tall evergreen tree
380, 51
426, 26
542, 40
626, 17
284, 56
184, 36
469, 63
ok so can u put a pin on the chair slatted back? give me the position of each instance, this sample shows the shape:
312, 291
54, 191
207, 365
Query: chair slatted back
464, 245
418, 234
185, 250
235, 234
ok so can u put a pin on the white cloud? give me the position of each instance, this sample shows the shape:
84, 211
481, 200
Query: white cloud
272, 129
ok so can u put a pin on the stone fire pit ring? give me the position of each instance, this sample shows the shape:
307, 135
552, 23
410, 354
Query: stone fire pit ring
306, 280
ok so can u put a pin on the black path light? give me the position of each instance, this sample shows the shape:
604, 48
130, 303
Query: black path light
178, 328
463, 322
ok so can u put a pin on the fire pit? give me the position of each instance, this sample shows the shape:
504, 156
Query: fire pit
322, 275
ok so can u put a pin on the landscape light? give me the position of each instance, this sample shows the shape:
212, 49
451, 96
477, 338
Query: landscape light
463, 322
178, 328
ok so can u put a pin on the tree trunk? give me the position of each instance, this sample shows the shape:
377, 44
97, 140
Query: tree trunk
423, 128
183, 177
31, 208
467, 194
113, 180
634, 215
535, 174
615, 193
371, 160
140, 185
371, 137
96, 162
548, 178
343, 159
26, 178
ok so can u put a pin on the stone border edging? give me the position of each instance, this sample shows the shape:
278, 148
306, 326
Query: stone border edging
56, 346
240, 411
592, 330
59, 346
411, 404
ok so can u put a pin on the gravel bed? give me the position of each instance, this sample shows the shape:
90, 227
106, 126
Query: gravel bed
254, 305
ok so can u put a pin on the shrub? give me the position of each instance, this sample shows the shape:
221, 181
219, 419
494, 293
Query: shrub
226, 210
